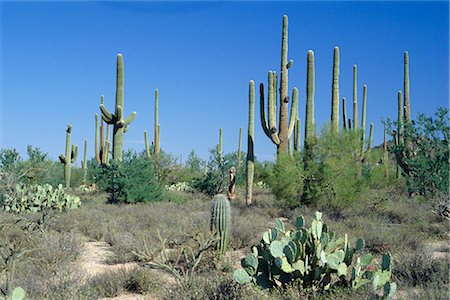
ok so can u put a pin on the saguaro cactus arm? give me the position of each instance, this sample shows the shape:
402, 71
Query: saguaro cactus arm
294, 112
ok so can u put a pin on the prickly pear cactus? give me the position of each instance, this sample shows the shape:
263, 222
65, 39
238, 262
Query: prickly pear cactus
314, 257
36, 198
221, 220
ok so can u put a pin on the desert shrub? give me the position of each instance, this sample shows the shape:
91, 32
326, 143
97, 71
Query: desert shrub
214, 181
143, 281
110, 284
424, 155
285, 180
130, 180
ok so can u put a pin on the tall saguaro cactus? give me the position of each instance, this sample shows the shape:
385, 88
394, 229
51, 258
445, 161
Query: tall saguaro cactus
156, 146
406, 87
250, 143
297, 136
310, 134
239, 158
70, 156
281, 137
399, 135
344, 113
385, 153
363, 118
335, 92
116, 119
355, 98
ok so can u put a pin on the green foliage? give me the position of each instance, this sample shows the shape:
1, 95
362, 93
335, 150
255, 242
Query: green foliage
36, 198
314, 258
130, 180
285, 180
424, 156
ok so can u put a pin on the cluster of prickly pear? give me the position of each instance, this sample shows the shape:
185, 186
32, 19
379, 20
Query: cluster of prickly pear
35, 198
221, 220
312, 256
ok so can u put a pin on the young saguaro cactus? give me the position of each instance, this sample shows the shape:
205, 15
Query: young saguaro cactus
84, 163
281, 137
406, 87
156, 148
70, 156
116, 119
250, 143
221, 220
335, 92
355, 98
344, 113
363, 118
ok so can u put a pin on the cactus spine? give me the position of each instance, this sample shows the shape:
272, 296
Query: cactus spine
406, 87
344, 113
355, 99
84, 163
270, 129
116, 119
309, 122
250, 143
156, 146
335, 92
70, 156
239, 159
220, 221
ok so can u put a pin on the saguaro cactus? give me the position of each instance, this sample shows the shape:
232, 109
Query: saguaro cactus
284, 129
344, 113
156, 145
385, 153
84, 163
250, 143
101, 150
355, 99
363, 118
239, 159
116, 119
220, 221
310, 134
369, 145
406, 87
399, 135
335, 92
70, 156
297, 136
219, 146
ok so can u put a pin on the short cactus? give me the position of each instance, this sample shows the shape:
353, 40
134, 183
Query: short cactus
220, 221
70, 156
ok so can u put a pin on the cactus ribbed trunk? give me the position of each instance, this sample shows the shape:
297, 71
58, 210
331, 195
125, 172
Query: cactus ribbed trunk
69, 157
84, 163
120, 125
385, 154
147, 148
96, 146
355, 99
369, 145
309, 121
297, 136
156, 144
335, 92
239, 158
102, 149
250, 143
284, 98
363, 119
221, 221
406, 87
344, 113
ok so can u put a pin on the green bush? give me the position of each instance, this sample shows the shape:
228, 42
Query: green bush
129, 181
424, 156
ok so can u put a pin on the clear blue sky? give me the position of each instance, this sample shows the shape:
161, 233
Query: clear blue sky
57, 58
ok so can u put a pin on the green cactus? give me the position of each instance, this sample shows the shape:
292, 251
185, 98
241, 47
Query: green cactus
239, 159
219, 147
101, 149
312, 256
335, 92
220, 221
157, 131
355, 99
250, 142
369, 145
344, 113
70, 156
84, 163
97, 154
147, 148
285, 129
363, 119
399, 139
310, 134
116, 119
297, 136
18, 294
385, 154
407, 104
